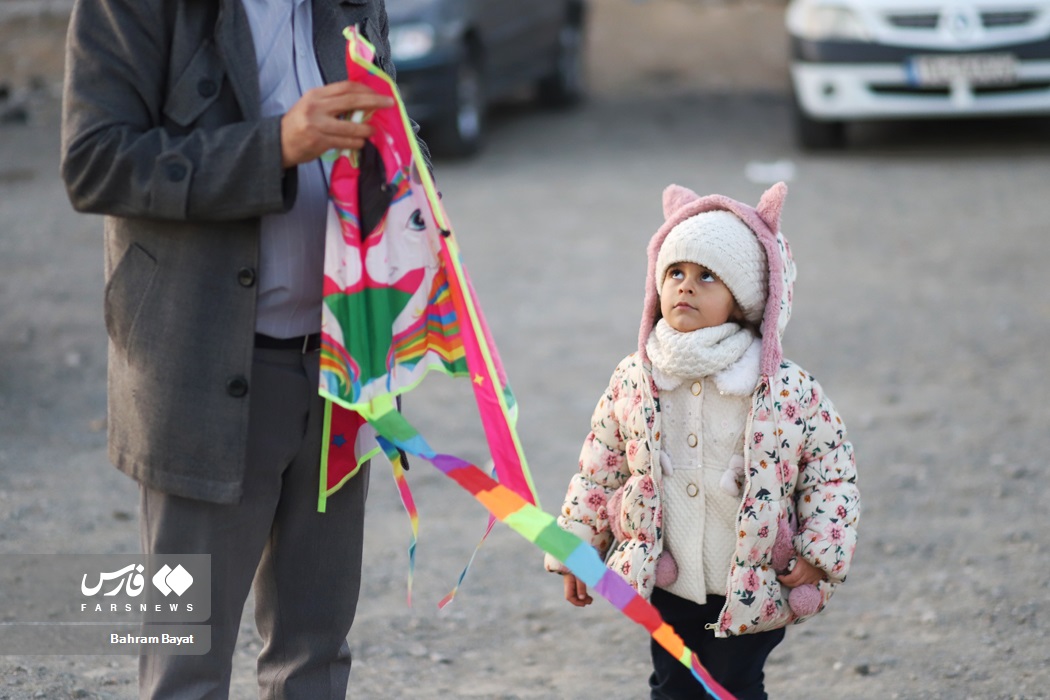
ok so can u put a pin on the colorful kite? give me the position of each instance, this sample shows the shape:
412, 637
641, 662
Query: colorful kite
398, 304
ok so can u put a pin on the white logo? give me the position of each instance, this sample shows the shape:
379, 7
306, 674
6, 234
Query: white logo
168, 580
962, 25
133, 581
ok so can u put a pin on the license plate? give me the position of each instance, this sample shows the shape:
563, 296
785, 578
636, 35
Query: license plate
975, 69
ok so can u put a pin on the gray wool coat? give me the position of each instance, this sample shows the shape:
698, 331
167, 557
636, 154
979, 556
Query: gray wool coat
161, 133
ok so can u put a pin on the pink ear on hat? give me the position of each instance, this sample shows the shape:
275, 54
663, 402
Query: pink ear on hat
770, 205
676, 197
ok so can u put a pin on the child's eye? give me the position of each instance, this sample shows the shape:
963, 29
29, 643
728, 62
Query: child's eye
675, 273
707, 276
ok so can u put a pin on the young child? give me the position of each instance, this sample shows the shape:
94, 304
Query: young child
708, 450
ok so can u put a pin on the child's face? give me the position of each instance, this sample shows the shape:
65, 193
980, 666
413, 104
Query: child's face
692, 297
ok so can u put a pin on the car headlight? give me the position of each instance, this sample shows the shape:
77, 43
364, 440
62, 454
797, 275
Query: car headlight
411, 41
822, 22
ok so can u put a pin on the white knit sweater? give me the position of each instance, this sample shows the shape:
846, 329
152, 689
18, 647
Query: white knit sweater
703, 429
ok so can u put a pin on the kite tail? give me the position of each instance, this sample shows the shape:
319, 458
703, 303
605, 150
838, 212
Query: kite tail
394, 457
463, 574
542, 530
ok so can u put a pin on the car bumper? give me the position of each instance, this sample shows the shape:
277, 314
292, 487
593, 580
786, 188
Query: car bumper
838, 82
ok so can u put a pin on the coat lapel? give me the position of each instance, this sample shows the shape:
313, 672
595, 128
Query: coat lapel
330, 18
234, 39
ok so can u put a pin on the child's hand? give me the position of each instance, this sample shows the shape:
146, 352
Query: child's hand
576, 591
803, 573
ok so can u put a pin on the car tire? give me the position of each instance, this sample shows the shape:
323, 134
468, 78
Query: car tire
460, 133
816, 135
564, 87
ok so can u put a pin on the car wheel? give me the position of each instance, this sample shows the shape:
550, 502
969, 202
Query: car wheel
460, 133
564, 86
815, 135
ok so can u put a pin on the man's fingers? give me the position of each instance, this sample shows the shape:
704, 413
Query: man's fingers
342, 138
350, 98
344, 129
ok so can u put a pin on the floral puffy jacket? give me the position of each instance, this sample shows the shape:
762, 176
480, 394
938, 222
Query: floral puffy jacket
798, 463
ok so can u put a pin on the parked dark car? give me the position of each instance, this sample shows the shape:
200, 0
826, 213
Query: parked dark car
455, 57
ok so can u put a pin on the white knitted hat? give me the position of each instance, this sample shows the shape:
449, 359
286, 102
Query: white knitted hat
726, 246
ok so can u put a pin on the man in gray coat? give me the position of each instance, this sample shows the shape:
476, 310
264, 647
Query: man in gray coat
195, 127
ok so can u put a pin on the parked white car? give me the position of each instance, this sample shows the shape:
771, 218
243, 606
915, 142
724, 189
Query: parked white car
858, 60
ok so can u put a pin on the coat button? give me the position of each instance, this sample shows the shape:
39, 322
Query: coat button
207, 87
697, 386
692, 490
246, 276
176, 172
692, 440
237, 387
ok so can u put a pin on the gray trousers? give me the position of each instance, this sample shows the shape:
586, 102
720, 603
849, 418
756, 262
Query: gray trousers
306, 565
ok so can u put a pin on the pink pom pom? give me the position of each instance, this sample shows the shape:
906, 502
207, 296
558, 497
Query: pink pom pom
666, 570
804, 600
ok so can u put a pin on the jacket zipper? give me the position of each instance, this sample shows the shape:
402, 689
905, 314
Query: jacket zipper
717, 624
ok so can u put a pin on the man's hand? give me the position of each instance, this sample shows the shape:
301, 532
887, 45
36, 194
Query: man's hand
803, 573
313, 125
576, 591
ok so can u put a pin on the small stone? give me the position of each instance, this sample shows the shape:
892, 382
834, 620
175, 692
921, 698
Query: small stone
862, 670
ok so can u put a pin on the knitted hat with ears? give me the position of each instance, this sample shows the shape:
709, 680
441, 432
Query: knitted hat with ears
763, 221
722, 243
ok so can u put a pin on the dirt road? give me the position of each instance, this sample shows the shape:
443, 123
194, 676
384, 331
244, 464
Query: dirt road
921, 306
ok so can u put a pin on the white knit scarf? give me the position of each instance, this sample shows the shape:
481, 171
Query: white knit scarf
679, 356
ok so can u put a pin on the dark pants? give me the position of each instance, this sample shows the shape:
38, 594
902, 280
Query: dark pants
735, 662
306, 566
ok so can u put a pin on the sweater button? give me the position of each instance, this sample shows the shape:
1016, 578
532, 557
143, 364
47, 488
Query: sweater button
697, 386
692, 489
237, 387
692, 440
